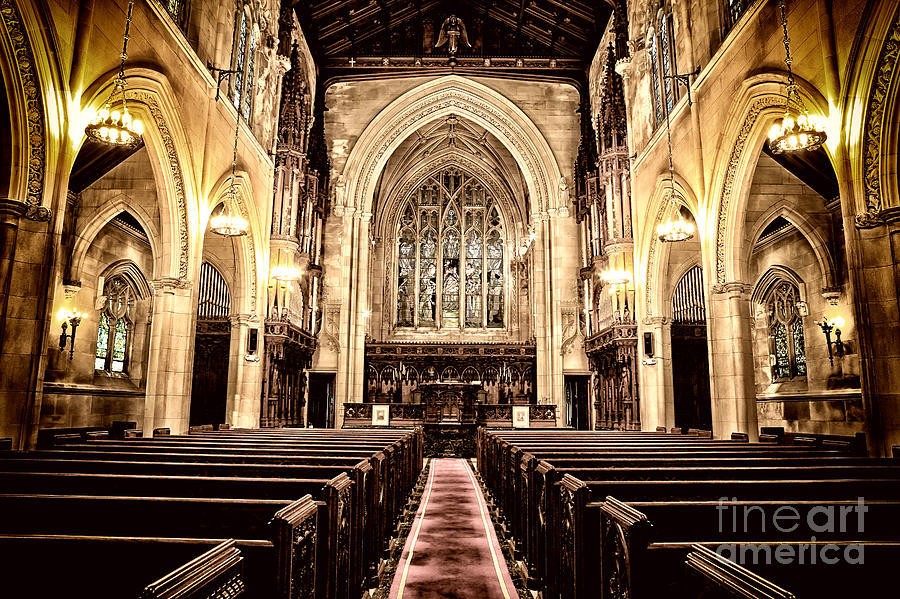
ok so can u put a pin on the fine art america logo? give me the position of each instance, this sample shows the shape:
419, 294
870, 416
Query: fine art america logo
805, 532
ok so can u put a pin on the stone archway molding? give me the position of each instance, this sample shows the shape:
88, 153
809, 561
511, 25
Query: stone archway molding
437, 99
761, 100
151, 96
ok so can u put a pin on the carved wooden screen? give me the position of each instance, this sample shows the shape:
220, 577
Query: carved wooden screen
450, 256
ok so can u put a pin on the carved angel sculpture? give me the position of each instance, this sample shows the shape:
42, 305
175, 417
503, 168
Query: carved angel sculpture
452, 31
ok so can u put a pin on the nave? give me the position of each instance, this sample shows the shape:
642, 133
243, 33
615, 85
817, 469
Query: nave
310, 513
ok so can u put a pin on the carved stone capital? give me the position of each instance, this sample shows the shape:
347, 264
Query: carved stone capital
731, 288
656, 321
11, 211
168, 285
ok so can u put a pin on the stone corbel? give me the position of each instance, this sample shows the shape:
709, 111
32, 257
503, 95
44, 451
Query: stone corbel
832, 295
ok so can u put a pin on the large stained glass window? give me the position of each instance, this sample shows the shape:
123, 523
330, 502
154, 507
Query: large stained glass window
786, 332
115, 325
450, 256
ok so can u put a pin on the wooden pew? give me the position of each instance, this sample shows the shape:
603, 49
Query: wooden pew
649, 550
217, 573
348, 503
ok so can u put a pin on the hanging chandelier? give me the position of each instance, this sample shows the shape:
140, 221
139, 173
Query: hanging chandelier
797, 129
674, 229
285, 274
227, 223
110, 125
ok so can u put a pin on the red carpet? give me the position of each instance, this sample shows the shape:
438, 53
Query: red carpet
452, 550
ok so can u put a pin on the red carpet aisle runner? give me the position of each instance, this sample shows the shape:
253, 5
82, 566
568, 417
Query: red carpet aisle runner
452, 550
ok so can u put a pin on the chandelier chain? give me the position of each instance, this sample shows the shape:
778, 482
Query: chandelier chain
125, 39
787, 47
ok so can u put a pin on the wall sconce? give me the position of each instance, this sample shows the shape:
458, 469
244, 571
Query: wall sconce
827, 327
68, 317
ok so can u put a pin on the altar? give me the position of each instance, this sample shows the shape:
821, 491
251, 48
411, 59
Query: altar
450, 402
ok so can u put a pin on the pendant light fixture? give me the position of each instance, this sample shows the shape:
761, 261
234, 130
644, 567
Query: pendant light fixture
227, 223
797, 129
676, 228
110, 125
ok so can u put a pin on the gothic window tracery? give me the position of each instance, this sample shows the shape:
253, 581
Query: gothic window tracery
246, 40
661, 46
450, 256
115, 326
786, 332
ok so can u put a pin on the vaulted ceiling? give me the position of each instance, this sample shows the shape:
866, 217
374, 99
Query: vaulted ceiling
518, 28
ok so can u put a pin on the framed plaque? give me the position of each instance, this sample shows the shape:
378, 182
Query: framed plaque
381, 414
520, 416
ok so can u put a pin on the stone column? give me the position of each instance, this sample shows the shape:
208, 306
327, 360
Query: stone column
877, 285
10, 212
657, 399
244, 382
169, 372
14, 364
731, 361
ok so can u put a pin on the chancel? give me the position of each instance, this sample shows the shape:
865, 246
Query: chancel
431, 298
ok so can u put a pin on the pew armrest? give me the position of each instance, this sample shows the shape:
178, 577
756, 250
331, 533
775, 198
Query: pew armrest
296, 540
624, 538
216, 573
718, 578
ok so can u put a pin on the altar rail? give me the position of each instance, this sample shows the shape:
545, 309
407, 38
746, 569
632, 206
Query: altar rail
357, 415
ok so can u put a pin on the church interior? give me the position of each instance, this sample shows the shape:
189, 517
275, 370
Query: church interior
520, 298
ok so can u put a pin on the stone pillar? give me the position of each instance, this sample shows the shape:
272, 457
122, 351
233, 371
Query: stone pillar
877, 291
731, 361
14, 363
10, 212
169, 372
657, 398
244, 382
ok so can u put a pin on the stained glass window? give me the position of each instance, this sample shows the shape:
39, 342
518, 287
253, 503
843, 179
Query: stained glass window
178, 11
248, 91
663, 89
121, 338
654, 81
240, 60
114, 328
102, 342
786, 332
450, 255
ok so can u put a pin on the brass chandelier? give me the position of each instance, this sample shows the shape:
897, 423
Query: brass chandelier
226, 222
674, 229
110, 125
797, 129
